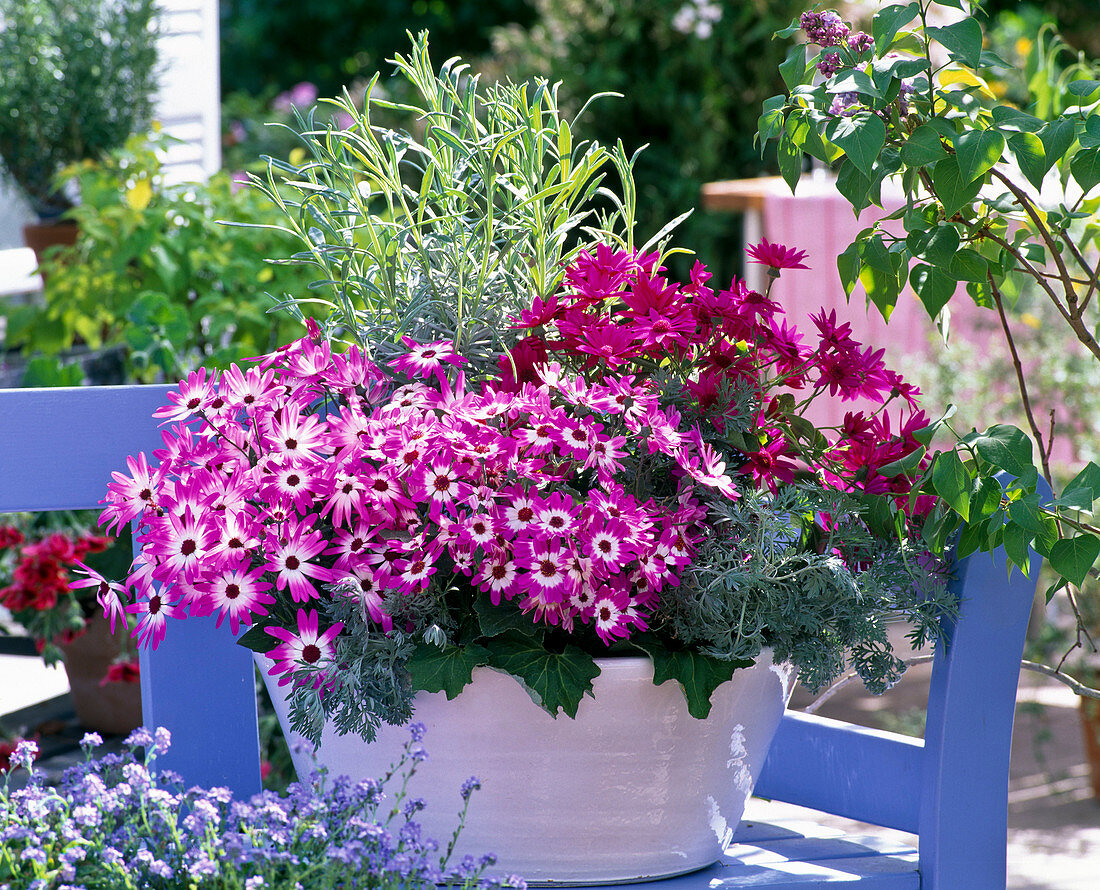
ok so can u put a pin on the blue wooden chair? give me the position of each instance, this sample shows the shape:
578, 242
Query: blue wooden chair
59, 446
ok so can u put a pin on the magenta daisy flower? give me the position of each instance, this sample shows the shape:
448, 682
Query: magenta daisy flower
290, 557
427, 359
610, 545
129, 496
194, 395
776, 256
307, 649
238, 593
498, 576
547, 566
108, 594
154, 613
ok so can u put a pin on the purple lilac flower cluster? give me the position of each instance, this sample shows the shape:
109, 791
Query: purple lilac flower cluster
827, 29
113, 823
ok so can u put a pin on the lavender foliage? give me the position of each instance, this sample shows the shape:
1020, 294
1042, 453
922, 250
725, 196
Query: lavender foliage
114, 823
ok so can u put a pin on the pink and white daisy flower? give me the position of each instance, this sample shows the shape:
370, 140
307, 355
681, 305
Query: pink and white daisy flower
109, 594
194, 395
291, 557
427, 359
308, 649
237, 592
556, 514
498, 576
609, 543
519, 513
153, 614
128, 497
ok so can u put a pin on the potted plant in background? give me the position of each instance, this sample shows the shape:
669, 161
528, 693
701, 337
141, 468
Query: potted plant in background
519, 472
155, 285
40, 558
76, 78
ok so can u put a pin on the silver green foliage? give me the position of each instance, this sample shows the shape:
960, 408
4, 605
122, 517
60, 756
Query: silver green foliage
756, 584
447, 232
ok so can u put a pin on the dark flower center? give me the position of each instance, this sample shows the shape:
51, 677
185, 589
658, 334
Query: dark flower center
311, 654
293, 563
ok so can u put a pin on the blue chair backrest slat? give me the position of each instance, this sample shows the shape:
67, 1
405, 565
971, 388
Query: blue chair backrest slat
59, 446
968, 737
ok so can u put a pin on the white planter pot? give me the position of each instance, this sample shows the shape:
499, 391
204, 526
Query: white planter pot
633, 788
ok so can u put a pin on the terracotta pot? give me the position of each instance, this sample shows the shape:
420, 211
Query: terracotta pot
39, 237
633, 789
1089, 709
114, 708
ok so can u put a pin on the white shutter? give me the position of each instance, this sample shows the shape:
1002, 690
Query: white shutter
188, 104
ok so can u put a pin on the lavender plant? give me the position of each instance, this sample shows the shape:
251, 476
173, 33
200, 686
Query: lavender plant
114, 824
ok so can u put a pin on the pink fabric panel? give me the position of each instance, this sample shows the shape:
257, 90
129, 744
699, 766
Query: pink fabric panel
824, 225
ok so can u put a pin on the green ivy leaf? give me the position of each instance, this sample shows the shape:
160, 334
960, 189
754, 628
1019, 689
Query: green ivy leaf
848, 264
962, 40
923, 147
970, 539
697, 674
1007, 447
1028, 150
977, 151
496, 620
953, 192
1073, 557
855, 80
1027, 512
770, 124
447, 670
1085, 168
952, 482
862, 137
887, 22
1090, 138
1083, 89
1008, 118
880, 274
907, 464
933, 286
556, 681
853, 185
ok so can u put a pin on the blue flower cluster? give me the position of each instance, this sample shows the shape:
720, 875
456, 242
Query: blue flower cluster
113, 823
